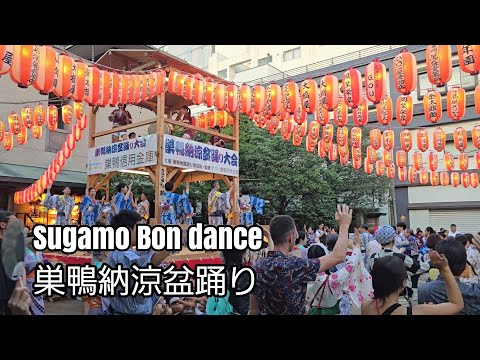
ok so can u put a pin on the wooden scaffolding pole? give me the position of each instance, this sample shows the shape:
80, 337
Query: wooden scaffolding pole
236, 180
161, 171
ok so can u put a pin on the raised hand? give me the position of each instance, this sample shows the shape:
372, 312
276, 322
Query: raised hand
437, 260
343, 215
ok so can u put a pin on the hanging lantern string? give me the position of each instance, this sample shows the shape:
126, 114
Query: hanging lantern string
3, 151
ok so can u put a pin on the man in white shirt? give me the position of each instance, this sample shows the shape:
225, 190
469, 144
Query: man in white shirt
453, 231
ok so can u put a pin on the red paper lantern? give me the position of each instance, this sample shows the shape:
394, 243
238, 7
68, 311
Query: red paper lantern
402, 174
65, 86
39, 115
150, 86
439, 64
82, 122
465, 177
209, 94
81, 74
321, 150
476, 136
70, 141
220, 96
258, 98
433, 161
92, 86
391, 171
455, 178
328, 92
188, 88
246, 98
423, 177
371, 155
456, 103
388, 139
460, 138
275, 125
15, 122
352, 87
56, 167
44, 181
474, 180
310, 144
404, 111
434, 178
180, 84
463, 161
287, 128
211, 119
51, 173
172, 81
22, 135
385, 111
291, 97
432, 106
8, 141
406, 140
405, 72
422, 140
380, 168
340, 114
401, 158
333, 152
469, 57
376, 139
477, 159
297, 139
114, 85
222, 118
388, 157
309, 95
477, 98
357, 154
159, 79
439, 137
123, 89
27, 117
444, 178
67, 114
356, 137
2, 130
342, 135
328, 133
322, 116
273, 102
133, 81
344, 159
367, 166
376, 81
24, 64
301, 129
232, 98
52, 117
37, 131
77, 132
417, 160
202, 121
449, 161
47, 70
6, 58
60, 158
357, 164
360, 114
78, 110
140, 87
314, 130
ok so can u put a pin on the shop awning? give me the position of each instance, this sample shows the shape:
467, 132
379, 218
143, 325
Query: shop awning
14, 173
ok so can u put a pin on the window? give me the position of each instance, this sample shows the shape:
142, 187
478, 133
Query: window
292, 54
265, 60
223, 73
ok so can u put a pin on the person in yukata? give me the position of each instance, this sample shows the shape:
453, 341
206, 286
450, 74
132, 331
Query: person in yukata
90, 207
32, 259
218, 204
248, 203
62, 203
167, 203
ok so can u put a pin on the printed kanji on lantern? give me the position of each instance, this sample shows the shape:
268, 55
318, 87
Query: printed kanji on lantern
39, 114
310, 144
340, 114
92, 86
465, 179
391, 171
367, 166
388, 139
376, 138
150, 86
309, 95
360, 114
220, 97
356, 137
357, 154
159, 79
15, 122
172, 81
417, 160
273, 102
333, 152
455, 178
246, 98
434, 178
342, 135
291, 97
81, 75
188, 89
449, 161
52, 116
314, 130
321, 150
423, 176
232, 98
37, 131
439, 64
275, 125
406, 140
404, 110
328, 133
433, 161
476, 136
405, 72
6, 58
456, 103
352, 87
380, 168
82, 122
469, 58
474, 180
371, 154
357, 163
402, 174
198, 89
27, 117
387, 157
460, 138
463, 161
422, 140
114, 85
444, 178
22, 135
258, 98
24, 68
328, 92
322, 116
401, 158
66, 73
8, 140
209, 94
432, 106
104, 94
439, 138
376, 81
385, 111
47, 70
67, 114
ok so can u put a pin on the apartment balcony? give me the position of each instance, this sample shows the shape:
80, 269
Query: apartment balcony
258, 72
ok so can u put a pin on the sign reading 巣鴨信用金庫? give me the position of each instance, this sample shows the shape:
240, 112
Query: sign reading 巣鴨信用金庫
188, 154
128, 154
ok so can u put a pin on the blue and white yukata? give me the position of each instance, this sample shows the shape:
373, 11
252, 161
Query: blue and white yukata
248, 203
63, 205
167, 203
90, 210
